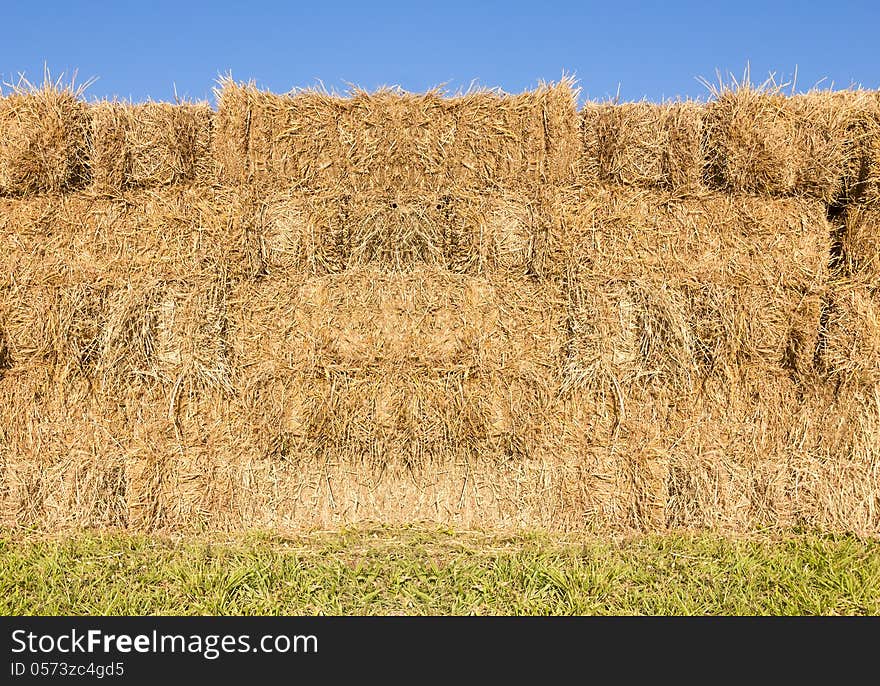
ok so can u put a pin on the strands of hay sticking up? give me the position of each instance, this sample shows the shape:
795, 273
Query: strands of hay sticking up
761, 141
643, 144
392, 139
150, 144
44, 138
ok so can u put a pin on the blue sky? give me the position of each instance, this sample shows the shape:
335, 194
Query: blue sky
647, 49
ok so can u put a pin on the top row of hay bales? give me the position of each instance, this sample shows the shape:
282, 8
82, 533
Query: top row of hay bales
822, 144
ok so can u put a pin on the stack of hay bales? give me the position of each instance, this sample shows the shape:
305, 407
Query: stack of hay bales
680, 308
699, 302
491, 310
399, 333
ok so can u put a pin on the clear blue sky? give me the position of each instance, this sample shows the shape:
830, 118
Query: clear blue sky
647, 49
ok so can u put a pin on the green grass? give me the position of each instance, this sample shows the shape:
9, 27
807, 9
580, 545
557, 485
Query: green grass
417, 571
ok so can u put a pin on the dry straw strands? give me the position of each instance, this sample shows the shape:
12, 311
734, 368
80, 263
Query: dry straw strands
391, 139
124, 289
44, 135
150, 144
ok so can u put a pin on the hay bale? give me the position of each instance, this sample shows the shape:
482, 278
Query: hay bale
643, 144
861, 242
621, 234
767, 454
398, 372
462, 233
44, 136
533, 137
331, 233
760, 141
366, 142
62, 469
125, 289
171, 332
871, 189
293, 139
850, 353
860, 111
836, 486
723, 281
150, 144
56, 326
230, 464
729, 463
627, 333
369, 319
190, 229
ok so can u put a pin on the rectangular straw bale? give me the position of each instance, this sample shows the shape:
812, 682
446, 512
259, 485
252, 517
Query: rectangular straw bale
91, 286
342, 448
168, 231
183, 457
229, 464
532, 137
62, 470
167, 331
860, 114
627, 332
861, 242
289, 140
397, 140
736, 327
331, 233
762, 453
851, 345
462, 233
717, 280
763, 142
392, 139
730, 465
730, 239
56, 325
149, 144
369, 319
52, 297
619, 441
643, 144
835, 482
871, 190
44, 140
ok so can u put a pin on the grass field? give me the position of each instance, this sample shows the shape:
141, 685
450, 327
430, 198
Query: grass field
421, 571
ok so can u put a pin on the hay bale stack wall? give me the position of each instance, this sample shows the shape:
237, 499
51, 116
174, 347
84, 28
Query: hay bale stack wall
484, 310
